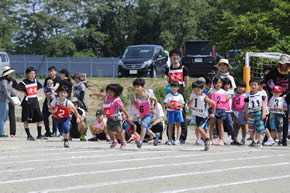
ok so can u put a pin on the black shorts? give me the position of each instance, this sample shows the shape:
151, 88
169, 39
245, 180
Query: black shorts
200, 121
32, 115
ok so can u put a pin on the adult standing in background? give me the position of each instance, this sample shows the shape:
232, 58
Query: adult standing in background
280, 77
80, 90
179, 73
6, 92
11, 112
65, 81
52, 75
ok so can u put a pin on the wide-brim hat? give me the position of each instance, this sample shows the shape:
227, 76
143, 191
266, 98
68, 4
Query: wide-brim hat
7, 70
277, 89
225, 61
284, 59
74, 100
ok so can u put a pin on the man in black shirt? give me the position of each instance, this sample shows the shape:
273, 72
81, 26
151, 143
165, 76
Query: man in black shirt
179, 73
45, 113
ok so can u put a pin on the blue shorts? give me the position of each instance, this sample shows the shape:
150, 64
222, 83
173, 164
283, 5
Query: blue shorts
201, 122
63, 125
219, 113
146, 122
174, 117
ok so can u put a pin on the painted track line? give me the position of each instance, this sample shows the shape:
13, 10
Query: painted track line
133, 180
129, 169
228, 184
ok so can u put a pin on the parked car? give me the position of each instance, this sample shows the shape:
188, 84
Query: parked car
199, 57
143, 60
4, 60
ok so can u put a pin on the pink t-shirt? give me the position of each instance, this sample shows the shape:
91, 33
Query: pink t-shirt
117, 102
99, 124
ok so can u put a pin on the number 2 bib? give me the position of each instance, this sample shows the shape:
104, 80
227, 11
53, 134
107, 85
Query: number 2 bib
61, 112
219, 99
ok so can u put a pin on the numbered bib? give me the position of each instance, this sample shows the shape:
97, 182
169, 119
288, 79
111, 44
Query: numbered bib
143, 108
61, 112
31, 89
276, 102
174, 102
239, 102
108, 109
199, 107
255, 103
219, 99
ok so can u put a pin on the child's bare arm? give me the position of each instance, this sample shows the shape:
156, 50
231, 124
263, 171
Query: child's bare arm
97, 94
212, 103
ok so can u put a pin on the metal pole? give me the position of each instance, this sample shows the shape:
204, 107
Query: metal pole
91, 67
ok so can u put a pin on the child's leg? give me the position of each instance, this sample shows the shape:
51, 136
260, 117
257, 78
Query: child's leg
178, 125
211, 127
81, 128
221, 131
112, 135
143, 132
92, 130
202, 132
65, 126
244, 131
197, 133
170, 128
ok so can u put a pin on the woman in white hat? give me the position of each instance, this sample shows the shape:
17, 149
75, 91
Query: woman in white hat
223, 67
6, 92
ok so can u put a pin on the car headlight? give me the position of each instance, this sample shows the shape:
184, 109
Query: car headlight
148, 62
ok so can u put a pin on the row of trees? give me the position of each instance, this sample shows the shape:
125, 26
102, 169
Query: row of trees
106, 27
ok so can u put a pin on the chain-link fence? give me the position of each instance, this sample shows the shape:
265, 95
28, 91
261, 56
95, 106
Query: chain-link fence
92, 67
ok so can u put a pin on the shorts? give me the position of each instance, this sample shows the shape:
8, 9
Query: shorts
239, 117
201, 122
32, 115
256, 123
276, 122
74, 132
219, 113
174, 117
62, 125
113, 125
146, 122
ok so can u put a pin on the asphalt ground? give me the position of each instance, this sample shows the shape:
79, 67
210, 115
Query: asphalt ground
46, 166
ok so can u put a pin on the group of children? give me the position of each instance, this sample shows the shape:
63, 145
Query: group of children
216, 108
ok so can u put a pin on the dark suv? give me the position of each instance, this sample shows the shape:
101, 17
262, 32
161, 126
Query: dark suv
199, 57
143, 60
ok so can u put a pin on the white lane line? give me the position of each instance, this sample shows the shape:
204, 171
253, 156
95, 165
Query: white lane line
133, 180
129, 169
127, 160
79, 157
228, 184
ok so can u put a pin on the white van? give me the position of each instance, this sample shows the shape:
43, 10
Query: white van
4, 60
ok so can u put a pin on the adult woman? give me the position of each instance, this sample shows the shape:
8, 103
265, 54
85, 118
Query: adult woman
6, 92
80, 90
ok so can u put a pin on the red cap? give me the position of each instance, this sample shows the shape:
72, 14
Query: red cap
277, 89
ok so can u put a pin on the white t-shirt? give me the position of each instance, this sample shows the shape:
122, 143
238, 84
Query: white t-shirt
230, 92
199, 106
160, 113
173, 98
66, 103
277, 102
267, 109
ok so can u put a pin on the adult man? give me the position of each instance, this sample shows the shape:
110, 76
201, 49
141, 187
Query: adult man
179, 73
52, 72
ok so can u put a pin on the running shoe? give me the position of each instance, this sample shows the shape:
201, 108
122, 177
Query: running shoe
243, 141
199, 142
114, 144
66, 144
30, 138
206, 145
156, 140
253, 144
93, 139
258, 144
83, 138
139, 143
12, 136
41, 137
123, 145
169, 142
236, 143
269, 142
176, 142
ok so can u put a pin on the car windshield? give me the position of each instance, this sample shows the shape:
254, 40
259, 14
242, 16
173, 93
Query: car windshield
198, 48
138, 52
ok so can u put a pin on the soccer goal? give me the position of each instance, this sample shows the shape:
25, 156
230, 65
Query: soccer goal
255, 62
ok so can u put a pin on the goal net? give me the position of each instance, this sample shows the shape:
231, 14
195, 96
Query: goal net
257, 62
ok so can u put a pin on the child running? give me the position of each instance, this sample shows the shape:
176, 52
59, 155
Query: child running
112, 109
199, 106
219, 96
174, 102
146, 104
60, 108
239, 116
255, 113
278, 106
129, 130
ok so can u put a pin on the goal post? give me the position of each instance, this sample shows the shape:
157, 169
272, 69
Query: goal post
252, 71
